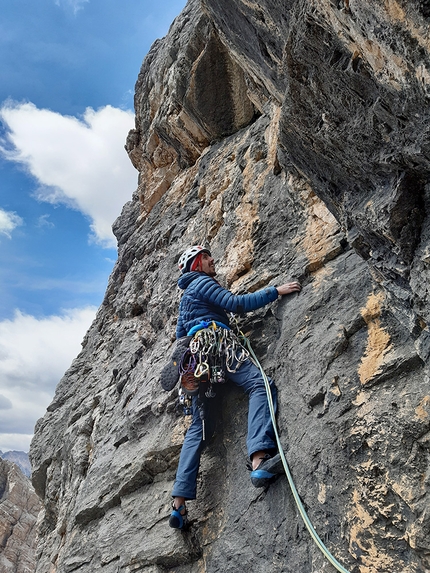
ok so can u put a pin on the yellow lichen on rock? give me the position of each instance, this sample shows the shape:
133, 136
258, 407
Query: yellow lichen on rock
322, 493
361, 542
389, 65
422, 410
179, 430
240, 254
320, 243
378, 339
271, 137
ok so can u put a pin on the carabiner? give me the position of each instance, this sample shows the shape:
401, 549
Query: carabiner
201, 368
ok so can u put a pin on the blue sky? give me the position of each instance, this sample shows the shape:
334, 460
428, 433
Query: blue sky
68, 70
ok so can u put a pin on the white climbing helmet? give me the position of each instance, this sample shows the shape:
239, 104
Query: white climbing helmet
189, 255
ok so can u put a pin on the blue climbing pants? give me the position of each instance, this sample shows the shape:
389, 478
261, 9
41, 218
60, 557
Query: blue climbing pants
260, 429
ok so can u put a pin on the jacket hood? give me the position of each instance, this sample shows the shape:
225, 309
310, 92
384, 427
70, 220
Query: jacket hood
186, 279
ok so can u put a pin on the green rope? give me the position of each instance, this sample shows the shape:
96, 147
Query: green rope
298, 501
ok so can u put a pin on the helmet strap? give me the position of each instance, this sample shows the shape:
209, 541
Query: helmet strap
197, 261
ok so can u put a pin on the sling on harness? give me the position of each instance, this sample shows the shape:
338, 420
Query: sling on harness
213, 350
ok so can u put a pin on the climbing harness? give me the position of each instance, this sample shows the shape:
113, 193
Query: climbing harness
213, 351
296, 496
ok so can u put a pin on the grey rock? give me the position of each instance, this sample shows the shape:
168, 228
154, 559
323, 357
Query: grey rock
21, 459
290, 137
19, 509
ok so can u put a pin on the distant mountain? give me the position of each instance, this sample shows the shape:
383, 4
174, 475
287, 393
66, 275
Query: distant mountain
21, 459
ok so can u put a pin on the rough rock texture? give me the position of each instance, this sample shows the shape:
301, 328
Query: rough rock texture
21, 459
292, 137
19, 509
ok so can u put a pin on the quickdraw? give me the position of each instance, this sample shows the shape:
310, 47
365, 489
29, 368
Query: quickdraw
213, 352
215, 344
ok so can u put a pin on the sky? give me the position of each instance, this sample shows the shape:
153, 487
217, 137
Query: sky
67, 69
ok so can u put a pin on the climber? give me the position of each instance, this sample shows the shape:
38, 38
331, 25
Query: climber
205, 302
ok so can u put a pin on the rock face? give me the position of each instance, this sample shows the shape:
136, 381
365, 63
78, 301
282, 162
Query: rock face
19, 508
21, 459
292, 138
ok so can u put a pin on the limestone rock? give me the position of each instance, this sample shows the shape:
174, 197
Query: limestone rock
19, 509
21, 459
290, 137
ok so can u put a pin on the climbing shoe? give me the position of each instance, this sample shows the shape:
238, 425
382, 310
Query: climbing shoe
177, 519
267, 470
190, 384
169, 375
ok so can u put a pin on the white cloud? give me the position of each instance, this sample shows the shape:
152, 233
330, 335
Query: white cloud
8, 222
43, 222
34, 355
5, 403
81, 163
76, 5
17, 442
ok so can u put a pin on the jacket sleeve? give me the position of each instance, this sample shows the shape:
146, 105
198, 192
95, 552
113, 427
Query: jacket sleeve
209, 290
180, 328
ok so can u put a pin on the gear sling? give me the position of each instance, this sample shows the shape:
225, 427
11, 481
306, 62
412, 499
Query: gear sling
214, 350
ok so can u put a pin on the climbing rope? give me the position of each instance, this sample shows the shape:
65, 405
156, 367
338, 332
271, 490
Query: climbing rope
296, 496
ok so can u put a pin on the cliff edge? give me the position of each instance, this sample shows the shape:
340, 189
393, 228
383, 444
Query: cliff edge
292, 137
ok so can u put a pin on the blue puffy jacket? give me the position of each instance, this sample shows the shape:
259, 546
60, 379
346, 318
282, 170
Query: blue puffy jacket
205, 299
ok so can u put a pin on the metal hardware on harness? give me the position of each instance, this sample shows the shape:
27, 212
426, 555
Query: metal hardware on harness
213, 351
217, 346
201, 368
186, 402
217, 374
210, 392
